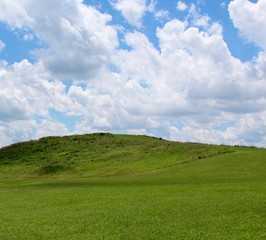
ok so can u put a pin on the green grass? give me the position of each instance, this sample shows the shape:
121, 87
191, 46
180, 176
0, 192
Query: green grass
187, 196
98, 155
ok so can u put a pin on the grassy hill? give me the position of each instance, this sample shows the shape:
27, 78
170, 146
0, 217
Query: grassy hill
104, 186
101, 154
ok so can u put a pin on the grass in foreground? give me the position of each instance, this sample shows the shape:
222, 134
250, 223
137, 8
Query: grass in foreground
219, 197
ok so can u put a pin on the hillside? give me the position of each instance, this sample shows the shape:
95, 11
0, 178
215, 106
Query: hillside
100, 154
60, 188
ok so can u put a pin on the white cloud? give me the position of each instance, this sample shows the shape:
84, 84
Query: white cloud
26, 97
260, 64
15, 131
193, 76
78, 37
161, 14
132, 10
28, 37
250, 19
14, 13
2, 45
23, 130
197, 19
248, 130
17, 96
223, 5
181, 6
190, 89
51, 128
194, 85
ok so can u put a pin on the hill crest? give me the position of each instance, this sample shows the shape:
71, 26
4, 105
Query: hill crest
99, 154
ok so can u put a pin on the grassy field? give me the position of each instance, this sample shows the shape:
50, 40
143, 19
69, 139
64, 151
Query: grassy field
104, 186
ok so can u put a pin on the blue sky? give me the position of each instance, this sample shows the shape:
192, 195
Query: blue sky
216, 10
18, 49
181, 70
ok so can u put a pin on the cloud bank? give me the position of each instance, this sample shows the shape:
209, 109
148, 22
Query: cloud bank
250, 19
189, 88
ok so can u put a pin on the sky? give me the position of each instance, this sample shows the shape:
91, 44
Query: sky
181, 70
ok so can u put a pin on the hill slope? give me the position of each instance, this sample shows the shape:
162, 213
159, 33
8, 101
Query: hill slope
161, 189
101, 154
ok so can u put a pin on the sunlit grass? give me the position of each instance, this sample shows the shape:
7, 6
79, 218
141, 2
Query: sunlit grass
99, 155
218, 197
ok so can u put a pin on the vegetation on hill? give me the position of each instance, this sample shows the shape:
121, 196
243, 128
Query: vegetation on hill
100, 154
60, 188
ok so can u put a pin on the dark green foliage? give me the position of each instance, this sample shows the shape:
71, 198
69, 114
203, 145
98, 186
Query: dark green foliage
51, 169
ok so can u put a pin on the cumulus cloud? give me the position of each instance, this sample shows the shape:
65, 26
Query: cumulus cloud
27, 90
2, 45
198, 19
181, 6
26, 96
51, 128
223, 5
14, 13
78, 38
250, 19
260, 64
16, 131
132, 10
248, 130
192, 76
189, 88
161, 14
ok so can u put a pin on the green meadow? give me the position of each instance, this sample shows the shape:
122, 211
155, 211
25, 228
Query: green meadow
104, 186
